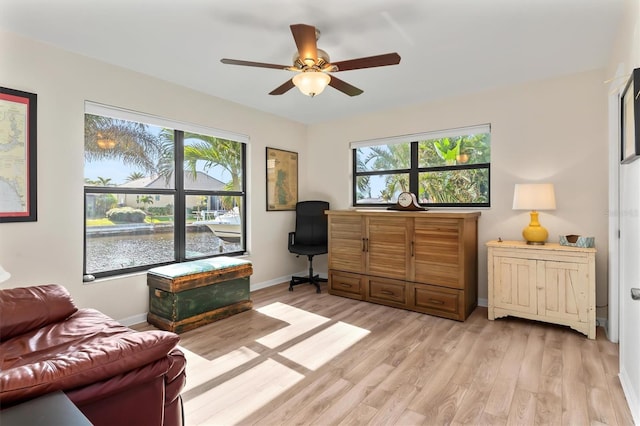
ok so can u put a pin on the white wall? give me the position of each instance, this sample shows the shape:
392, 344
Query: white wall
50, 250
547, 131
552, 130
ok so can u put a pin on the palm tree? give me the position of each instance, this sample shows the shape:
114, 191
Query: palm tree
134, 176
208, 149
391, 157
130, 142
146, 199
215, 152
363, 183
103, 181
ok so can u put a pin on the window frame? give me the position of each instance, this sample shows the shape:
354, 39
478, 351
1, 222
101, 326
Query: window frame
178, 192
413, 170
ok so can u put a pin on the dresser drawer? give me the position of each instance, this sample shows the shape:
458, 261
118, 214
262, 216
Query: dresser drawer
346, 284
380, 289
438, 301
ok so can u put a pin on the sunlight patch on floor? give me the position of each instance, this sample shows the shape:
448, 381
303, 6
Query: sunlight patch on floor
320, 348
200, 370
233, 400
300, 322
238, 397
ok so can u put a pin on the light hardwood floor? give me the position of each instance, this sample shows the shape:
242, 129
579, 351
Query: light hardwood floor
305, 358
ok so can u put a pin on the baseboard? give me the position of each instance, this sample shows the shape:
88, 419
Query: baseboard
483, 302
284, 279
270, 283
632, 398
133, 320
604, 323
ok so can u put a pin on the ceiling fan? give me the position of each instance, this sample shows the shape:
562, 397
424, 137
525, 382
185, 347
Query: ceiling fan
313, 66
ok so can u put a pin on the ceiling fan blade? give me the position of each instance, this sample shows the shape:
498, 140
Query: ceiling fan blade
368, 62
305, 38
344, 87
253, 64
284, 88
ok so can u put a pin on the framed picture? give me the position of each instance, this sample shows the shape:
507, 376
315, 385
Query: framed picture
630, 119
282, 179
18, 171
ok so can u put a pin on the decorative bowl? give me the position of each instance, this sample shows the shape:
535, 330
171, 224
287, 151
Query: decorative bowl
577, 241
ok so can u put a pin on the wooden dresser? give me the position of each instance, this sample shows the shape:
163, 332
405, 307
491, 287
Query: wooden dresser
550, 283
422, 261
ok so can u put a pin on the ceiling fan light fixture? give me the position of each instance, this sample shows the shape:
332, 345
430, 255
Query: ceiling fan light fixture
311, 83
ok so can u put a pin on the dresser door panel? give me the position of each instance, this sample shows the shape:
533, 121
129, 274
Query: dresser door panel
437, 252
387, 246
346, 243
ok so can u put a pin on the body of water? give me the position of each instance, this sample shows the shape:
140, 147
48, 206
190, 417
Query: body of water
106, 252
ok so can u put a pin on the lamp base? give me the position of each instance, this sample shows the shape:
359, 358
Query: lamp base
535, 234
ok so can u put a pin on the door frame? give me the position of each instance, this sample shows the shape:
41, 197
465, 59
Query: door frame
612, 327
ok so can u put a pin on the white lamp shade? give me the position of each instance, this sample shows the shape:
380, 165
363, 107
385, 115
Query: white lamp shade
534, 196
311, 83
4, 275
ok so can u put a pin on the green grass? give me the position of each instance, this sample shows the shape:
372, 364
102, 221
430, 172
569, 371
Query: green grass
106, 222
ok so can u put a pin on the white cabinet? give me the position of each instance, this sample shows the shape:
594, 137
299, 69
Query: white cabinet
550, 283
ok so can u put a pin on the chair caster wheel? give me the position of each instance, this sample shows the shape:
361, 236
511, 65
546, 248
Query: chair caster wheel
318, 290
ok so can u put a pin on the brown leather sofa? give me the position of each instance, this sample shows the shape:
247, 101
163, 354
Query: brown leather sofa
114, 375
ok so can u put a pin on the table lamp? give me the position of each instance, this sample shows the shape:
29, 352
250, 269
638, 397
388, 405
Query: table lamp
534, 197
4, 275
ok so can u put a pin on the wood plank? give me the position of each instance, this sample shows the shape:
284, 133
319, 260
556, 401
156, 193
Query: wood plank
409, 369
549, 401
523, 408
574, 403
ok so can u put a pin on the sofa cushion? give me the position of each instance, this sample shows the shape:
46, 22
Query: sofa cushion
83, 349
28, 308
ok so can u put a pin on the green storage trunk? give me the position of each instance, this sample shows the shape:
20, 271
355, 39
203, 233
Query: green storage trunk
186, 295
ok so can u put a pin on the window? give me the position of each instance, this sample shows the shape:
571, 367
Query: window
445, 168
158, 191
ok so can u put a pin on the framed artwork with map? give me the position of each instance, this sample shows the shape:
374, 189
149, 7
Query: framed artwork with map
282, 179
18, 170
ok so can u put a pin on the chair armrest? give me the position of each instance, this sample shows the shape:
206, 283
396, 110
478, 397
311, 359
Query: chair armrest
292, 239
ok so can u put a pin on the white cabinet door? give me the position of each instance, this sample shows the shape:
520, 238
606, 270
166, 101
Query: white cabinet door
515, 284
563, 291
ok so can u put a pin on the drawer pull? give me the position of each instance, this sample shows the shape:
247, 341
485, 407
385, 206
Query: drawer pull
387, 292
436, 302
345, 285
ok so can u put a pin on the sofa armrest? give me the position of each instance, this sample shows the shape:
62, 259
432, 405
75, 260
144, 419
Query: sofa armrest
102, 349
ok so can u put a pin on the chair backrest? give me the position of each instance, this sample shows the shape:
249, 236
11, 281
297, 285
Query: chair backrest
311, 222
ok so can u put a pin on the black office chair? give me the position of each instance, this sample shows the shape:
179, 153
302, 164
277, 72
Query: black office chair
309, 238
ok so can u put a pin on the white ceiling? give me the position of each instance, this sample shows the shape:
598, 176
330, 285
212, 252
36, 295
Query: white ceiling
448, 47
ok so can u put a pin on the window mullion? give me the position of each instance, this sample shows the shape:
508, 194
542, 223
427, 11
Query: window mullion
180, 230
413, 171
